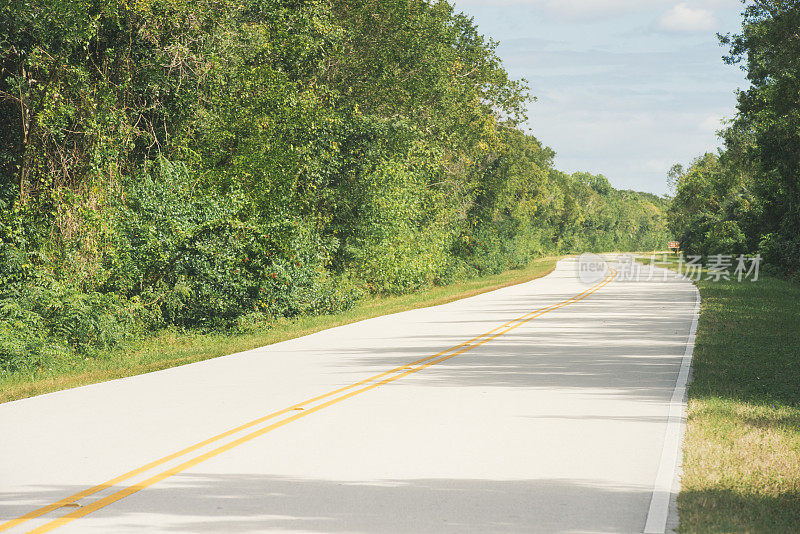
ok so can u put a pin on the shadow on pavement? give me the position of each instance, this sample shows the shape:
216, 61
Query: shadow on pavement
634, 350
248, 503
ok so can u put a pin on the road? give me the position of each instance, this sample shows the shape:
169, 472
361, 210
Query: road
541, 407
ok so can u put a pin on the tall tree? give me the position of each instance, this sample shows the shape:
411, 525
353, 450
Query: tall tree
766, 131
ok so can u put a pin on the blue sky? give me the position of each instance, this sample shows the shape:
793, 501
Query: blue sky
625, 88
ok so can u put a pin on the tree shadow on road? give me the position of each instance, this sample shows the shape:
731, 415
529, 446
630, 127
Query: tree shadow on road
634, 351
250, 503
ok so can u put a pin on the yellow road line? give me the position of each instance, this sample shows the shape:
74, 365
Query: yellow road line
384, 379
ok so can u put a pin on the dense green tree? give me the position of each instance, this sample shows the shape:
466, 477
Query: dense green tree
713, 210
766, 130
748, 199
203, 163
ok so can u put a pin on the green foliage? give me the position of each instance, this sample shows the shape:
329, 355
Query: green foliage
712, 207
395, 244
766, 130
200, 258
748, 200
222, 164
44, 323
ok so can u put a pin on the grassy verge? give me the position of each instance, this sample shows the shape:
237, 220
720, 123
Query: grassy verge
741, 470
170, 348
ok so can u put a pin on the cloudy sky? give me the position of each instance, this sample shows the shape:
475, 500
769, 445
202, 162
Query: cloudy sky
625, 88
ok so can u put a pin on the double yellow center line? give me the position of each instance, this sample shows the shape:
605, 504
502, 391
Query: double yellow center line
298, 411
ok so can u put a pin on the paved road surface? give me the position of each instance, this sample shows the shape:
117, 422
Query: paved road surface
552, 423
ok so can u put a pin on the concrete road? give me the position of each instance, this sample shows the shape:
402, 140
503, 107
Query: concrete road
551, 423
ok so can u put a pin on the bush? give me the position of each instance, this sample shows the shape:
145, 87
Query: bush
44, 322
201, 258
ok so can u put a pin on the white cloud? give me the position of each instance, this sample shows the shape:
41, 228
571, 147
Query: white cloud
630, 103
683, 18
578, 8
711, 124
572, 9
658, 166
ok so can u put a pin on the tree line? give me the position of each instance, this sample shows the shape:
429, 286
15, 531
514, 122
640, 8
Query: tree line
746, 198
205, 163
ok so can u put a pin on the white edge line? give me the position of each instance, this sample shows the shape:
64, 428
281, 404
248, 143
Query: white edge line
671, 458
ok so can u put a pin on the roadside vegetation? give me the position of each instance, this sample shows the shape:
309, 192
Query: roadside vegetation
742, 454
197, 166
742, 450
741, 467
175, 346
746, 199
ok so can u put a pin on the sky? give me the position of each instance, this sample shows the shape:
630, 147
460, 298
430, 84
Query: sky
624, 88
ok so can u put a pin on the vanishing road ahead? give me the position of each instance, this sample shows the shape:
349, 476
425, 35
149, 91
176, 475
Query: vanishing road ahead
538, 407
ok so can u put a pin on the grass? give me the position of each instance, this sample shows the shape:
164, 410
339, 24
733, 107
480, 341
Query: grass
170, 348
741, 469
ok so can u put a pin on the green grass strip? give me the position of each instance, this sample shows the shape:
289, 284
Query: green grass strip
741, 469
